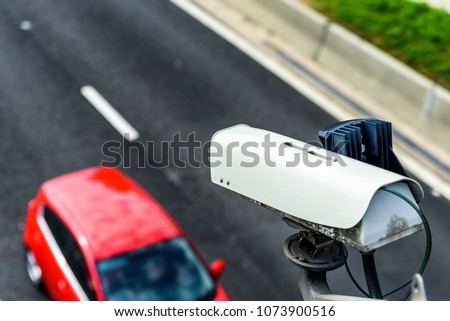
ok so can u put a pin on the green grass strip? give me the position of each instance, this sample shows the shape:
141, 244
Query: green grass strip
413, 32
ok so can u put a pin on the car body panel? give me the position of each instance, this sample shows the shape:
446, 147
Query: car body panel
110, 209
36, 239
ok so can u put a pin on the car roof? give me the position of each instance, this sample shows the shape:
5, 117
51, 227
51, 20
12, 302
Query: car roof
107, 211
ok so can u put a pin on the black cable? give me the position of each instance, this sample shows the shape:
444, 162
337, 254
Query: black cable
425, 258
406, 296
397, 289
370, 272
350, 274
429, 240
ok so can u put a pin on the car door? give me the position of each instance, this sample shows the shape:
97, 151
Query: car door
77, 264
48, 252
64, 268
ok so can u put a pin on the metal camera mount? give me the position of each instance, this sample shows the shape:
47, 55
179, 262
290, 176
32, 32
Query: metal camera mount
314, 252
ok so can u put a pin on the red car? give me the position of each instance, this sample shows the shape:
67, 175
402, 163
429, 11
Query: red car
97, 235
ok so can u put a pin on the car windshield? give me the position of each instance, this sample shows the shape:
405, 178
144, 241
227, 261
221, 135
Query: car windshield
168, 270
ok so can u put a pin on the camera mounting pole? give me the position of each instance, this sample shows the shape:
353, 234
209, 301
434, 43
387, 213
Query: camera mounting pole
315, 254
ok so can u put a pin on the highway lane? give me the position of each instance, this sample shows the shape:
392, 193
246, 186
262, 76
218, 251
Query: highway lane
165, 73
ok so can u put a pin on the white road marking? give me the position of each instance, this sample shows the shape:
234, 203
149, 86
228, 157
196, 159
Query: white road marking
110, 113
26, 25
21, 226
307, 90
173, 176
435, 193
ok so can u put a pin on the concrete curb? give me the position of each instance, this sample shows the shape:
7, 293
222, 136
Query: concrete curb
296, 23
394, 85
348, 56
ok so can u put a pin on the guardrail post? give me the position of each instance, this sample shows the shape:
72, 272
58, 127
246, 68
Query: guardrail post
322, 41
428, 102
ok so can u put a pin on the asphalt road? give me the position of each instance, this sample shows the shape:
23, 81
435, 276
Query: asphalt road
165, 73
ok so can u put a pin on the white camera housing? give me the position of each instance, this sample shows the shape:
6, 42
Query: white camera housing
335, 195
